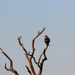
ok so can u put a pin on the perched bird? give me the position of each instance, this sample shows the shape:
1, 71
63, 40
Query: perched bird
47, 40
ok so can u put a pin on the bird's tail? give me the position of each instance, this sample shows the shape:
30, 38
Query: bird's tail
49, 45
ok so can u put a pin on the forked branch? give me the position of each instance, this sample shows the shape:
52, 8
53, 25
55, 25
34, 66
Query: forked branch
33, 41
11, 64
30, 56
41, 62
32, 71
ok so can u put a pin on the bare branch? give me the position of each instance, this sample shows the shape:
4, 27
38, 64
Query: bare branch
28, 69
39, 33
6, 67
42, 54
19, 38
26, 54
34, 60
31, 56
11, 63
42, 62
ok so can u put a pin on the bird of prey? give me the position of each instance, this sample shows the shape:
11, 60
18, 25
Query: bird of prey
47, 40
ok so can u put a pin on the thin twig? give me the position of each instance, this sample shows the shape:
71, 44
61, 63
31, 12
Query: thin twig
28, 69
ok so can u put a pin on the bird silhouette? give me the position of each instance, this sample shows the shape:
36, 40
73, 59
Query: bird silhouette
47, 40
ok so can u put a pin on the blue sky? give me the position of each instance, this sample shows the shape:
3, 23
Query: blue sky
26, 17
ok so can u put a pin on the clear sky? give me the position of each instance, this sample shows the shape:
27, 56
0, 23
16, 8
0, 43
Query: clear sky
26, 17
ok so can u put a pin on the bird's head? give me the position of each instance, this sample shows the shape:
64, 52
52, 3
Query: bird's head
46, 36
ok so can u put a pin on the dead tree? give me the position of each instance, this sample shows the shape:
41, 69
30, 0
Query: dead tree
29, 56
11, 64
